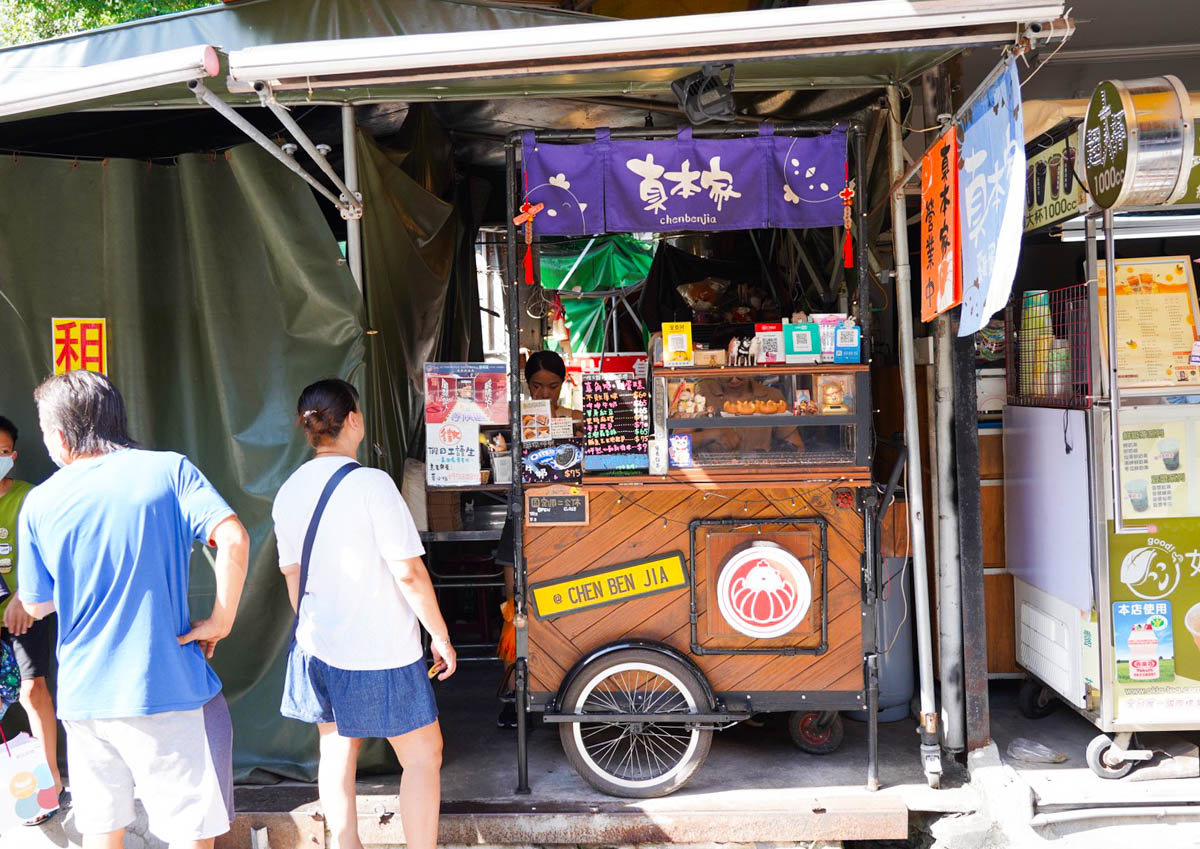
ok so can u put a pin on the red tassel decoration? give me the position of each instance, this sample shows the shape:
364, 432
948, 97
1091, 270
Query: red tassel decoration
847, 196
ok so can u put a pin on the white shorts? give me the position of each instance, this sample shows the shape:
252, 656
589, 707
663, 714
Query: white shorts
179, 764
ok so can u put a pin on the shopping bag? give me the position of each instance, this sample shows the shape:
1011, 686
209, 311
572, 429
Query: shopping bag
10, 677
26, 785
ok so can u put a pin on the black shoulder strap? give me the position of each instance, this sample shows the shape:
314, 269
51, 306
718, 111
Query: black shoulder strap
311, 535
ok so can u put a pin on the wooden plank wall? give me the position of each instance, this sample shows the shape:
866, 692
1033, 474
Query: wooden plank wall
627, 523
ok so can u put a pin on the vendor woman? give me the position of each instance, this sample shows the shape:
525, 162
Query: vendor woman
545, 373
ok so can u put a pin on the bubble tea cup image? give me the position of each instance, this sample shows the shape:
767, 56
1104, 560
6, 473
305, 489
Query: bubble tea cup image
1138, 492
1055, 162
1168, 452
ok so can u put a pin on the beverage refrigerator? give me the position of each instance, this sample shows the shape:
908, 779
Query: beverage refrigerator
1102, 510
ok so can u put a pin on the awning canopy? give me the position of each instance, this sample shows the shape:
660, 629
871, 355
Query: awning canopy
466, 51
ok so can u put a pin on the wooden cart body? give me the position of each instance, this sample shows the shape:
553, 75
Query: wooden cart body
817, 666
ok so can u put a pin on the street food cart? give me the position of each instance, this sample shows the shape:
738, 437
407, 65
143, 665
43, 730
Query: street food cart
1101, 436
656, 606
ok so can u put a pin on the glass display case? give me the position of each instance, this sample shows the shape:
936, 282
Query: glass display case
764, 416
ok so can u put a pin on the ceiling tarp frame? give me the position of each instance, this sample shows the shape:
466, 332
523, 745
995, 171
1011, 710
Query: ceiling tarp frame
862, 27
80, 85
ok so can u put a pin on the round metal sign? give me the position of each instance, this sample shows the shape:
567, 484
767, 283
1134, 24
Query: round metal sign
764, 590
1137, 140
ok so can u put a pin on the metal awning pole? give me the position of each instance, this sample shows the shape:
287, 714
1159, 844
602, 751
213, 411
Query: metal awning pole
931, 759
353, 203
260, 138
350, 166
516, 504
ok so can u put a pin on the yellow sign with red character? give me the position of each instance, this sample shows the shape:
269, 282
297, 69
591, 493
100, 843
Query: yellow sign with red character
80, 343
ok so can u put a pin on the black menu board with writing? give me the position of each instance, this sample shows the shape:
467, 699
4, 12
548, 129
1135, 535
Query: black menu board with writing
616, 423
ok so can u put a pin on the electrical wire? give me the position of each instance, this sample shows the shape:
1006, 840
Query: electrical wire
1053, 53
903, 587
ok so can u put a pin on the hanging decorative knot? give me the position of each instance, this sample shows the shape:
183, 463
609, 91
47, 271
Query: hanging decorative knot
847, 196
528, 211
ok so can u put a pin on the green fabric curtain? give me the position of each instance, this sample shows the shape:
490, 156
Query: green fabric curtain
225, 293
609, 263
409, 239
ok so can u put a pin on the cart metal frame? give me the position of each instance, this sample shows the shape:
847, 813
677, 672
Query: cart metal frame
868, 501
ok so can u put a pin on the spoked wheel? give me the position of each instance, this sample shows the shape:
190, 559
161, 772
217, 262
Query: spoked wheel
635, 759
1098, 759
816, 732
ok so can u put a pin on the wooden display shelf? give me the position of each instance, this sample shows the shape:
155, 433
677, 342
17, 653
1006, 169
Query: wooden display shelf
475, 487
767, 370
756, 420
737, 477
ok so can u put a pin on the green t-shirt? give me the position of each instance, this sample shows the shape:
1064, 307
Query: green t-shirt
10, 507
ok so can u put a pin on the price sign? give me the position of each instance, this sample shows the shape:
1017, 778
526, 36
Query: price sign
616, 423
556, 505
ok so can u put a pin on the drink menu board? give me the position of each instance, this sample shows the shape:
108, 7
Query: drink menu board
1154, 470
1156, 321
616, 423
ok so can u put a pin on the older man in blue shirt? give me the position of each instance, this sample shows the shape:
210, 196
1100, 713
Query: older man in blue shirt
106, 542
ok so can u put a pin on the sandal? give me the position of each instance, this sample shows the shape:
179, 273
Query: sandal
42, 818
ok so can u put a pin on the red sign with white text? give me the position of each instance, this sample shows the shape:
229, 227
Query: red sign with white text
941, 265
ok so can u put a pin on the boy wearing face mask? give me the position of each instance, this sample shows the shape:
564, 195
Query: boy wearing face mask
29, 637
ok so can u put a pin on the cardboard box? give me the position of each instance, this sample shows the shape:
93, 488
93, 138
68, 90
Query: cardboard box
444, 509
709, 358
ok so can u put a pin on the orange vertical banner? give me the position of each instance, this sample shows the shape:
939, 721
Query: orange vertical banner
941, 261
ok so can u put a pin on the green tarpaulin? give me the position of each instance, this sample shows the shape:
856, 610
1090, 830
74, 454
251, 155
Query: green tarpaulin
225, 293
590, 268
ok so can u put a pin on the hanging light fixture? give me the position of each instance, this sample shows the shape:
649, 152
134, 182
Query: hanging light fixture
704, 96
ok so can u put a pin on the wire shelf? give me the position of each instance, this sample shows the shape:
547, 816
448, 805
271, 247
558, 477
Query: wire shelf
1048, 349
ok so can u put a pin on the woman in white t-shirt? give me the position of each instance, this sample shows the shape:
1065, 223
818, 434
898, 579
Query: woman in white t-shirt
357, 669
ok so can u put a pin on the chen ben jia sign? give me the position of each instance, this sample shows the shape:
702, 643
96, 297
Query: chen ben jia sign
637, 185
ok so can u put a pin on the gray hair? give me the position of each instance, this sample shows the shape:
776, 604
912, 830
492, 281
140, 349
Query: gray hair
87, 408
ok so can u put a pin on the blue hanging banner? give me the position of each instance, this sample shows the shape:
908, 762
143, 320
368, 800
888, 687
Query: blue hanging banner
991, 185
633, 186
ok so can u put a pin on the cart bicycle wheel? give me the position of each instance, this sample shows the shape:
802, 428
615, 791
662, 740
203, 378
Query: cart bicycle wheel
635, 759
1097, 760
816, 732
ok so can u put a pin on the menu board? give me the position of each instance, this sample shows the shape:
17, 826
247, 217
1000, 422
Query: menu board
1156, 321
616, 423
466, 392
452, 454
1154, 470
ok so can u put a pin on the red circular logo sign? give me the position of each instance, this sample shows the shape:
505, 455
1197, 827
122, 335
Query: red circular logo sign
763, 591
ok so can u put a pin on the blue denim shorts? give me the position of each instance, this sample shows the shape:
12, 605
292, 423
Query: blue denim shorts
362, 702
